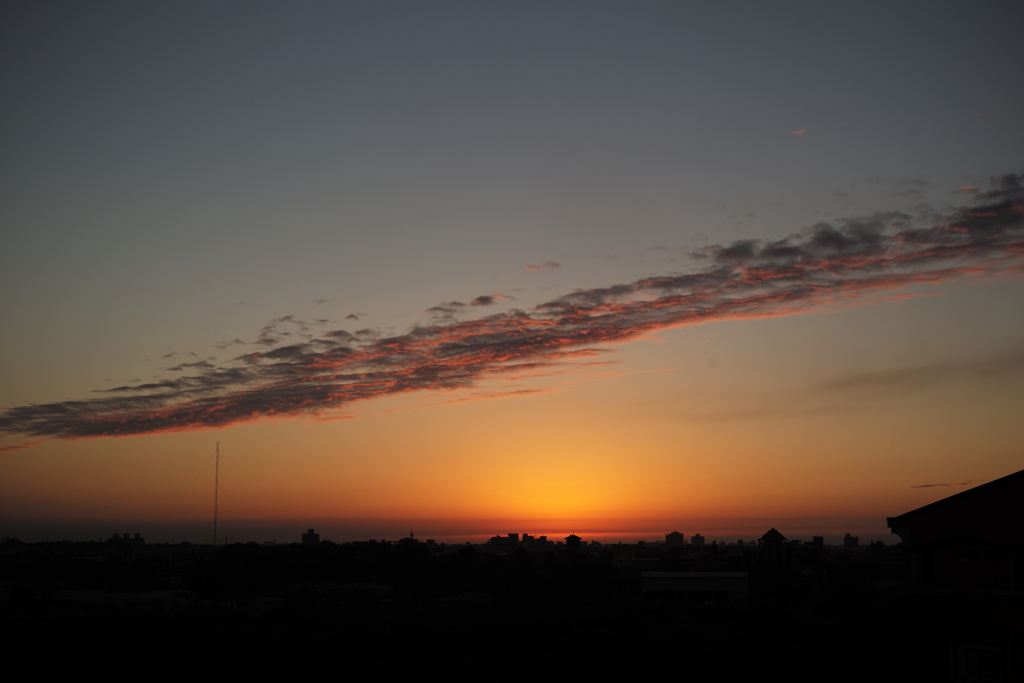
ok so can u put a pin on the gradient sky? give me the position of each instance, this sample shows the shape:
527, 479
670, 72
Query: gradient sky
471, 268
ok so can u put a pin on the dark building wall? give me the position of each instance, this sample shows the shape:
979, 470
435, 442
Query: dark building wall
975, 563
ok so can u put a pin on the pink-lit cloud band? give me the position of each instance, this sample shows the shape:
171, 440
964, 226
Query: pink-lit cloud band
826, 263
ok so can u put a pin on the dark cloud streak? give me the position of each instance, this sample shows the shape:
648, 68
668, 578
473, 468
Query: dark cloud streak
298, 373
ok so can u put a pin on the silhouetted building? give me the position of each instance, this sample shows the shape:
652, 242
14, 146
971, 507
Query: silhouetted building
508, 542
675, 540
623, 557
572, 543
965, 554
127, 538
806, 555
310, 538
972, 539
697, 540
773, 548
535, 544
851, 543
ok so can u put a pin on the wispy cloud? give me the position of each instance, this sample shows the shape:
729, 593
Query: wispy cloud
19, 446
931, 486
547, 265
801, 132
479, 396
922, 376
296, 372
225, 344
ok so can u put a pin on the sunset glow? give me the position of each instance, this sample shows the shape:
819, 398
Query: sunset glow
473, 270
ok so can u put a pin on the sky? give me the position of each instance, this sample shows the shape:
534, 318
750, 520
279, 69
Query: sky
615, 269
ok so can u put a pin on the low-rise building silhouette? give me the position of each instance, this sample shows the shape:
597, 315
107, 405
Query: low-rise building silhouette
507, 542
965, 554
127, 538
973, 539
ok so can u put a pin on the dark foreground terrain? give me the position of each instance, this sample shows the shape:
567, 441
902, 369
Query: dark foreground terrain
852, 614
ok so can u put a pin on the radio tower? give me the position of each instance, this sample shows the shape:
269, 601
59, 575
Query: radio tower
216, 479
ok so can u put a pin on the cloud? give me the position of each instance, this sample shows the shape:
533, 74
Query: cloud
488, 299
923, 376
198, 365
294, 372
931, 486
446, 311
798, 133
969, 189
480, 396
856, 392
287, 326
546, 266
340, 334
20, 446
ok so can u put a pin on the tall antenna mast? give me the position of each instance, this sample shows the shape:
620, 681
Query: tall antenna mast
216, 480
